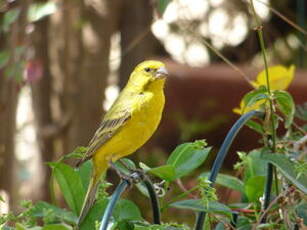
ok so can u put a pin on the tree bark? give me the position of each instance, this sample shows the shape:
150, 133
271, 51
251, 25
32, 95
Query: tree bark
41, 100
8, 104
86, 28
9, 88
137, 41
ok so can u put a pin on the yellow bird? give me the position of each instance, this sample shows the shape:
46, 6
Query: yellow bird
128, 124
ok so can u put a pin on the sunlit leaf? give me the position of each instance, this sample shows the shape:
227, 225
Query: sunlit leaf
254, 188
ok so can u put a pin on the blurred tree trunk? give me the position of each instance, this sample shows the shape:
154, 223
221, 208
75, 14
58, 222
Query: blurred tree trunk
9, 88
90, 75
84, 29
137, 41
41, 100
8, 104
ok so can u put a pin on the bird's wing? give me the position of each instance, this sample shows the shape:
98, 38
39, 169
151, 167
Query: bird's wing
113, 121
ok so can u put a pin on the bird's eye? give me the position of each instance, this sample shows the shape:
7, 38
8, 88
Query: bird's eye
147, 70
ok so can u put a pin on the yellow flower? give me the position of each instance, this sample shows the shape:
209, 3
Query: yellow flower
280, 77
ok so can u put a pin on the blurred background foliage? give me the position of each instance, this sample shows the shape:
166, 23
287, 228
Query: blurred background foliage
62, 63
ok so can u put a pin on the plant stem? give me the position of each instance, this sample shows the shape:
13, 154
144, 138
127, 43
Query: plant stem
268, 186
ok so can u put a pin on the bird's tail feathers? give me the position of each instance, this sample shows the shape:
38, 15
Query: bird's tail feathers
89, 199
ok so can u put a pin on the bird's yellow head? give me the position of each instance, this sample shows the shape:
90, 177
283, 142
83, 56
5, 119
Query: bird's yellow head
148, 72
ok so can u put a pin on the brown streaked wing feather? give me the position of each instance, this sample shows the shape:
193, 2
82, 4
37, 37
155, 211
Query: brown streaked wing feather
107, 129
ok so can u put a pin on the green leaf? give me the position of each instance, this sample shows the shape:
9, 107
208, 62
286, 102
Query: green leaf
162, 4
165, 172
40, 208
197, 205
254, 165
244, 223
287, 168
254, 96
253, 100
70, 184
94, 214
286, 106
57, 227
255, 126
227, 181
38, 11
126, 210
9, 18
124, 225
85, 173
187, 157
254, 188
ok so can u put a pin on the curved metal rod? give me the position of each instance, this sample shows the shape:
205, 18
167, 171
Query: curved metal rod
267, 189
116, 195
108, 212
154, 201
222, 154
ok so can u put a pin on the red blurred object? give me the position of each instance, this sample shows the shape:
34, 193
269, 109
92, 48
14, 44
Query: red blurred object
33, 71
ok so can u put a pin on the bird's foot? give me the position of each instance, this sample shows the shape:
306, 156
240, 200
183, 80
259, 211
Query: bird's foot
135, 175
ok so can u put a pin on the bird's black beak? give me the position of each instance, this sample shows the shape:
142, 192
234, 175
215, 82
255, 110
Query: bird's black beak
161, 73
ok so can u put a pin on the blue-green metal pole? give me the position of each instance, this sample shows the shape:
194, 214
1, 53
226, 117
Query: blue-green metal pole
108, 212
222, 154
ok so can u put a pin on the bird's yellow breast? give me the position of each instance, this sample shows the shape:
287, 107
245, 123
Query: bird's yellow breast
145, 118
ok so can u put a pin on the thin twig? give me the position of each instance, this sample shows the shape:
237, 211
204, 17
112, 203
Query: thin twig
265, 212
283, 17
133, 43
219, 54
